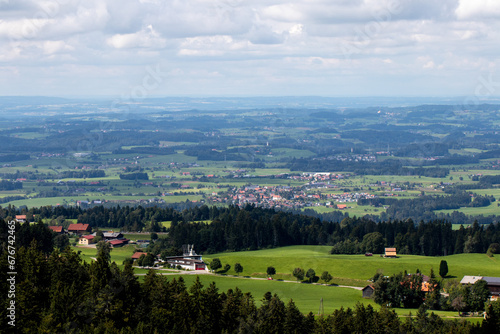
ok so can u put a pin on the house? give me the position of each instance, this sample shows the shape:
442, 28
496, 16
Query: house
118, 242
189, 260
470, 279
21, 218
86, 240
368, 291
111, 235
492, 283
390, 252
57, 229
137, 255
426, 285
79, 228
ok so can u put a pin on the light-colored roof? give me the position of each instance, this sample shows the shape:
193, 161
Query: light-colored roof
470, 279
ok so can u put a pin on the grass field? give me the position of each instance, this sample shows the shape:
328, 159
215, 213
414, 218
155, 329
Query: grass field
347, 270
306, 296
352, 269
117, 254
492, 209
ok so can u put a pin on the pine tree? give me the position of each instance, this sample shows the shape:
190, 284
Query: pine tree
443, 268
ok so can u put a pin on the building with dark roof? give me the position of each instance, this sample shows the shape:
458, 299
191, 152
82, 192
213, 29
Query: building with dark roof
368, 291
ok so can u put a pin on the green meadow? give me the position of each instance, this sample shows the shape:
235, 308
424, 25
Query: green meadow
306, 296
352, 269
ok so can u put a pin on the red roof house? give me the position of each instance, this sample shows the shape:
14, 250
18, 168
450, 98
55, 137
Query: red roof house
118, 242
86, 240
79, 228
56, 229
137, 255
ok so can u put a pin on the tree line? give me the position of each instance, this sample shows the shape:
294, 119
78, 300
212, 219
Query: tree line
82, 174
248, 228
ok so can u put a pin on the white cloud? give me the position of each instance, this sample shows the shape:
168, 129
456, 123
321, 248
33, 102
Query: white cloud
146, 38
478, 9
263, 45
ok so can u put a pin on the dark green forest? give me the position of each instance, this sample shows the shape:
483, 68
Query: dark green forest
250, 228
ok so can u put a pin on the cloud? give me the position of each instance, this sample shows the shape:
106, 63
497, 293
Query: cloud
146, 38
478, 9
296, 47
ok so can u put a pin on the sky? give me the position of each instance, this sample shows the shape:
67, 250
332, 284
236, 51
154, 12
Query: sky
148, 48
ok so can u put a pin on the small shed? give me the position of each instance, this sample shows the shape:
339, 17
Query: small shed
390, 252
368, 291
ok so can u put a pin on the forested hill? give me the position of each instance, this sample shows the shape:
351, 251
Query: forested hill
249, 228
59, 293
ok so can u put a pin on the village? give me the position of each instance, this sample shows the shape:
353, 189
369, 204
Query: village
313, 193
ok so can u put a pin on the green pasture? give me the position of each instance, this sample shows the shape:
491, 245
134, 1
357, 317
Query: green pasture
306, 296
117, 254
356, 268
492, 209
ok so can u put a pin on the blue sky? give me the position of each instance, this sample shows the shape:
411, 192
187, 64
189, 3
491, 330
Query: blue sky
250, 48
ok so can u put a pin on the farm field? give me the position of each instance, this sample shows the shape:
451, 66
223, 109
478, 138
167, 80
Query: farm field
352, 270
357, 269
306, 296
492, 209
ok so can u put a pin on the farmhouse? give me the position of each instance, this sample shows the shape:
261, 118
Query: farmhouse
137, 255
390, 252
110, 235
492, 283
86, 240
79, 228
118, 242
189, 260
21, 218
57, 229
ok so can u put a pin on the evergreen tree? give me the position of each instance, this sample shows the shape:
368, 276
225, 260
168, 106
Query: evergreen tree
443, 268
